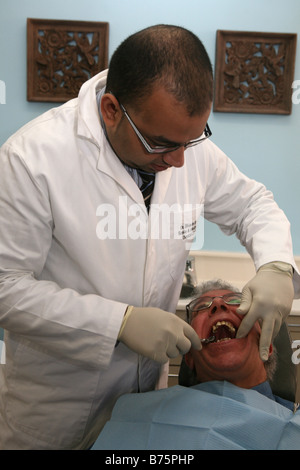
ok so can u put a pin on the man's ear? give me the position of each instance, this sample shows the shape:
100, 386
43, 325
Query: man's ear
110, 110
189, 360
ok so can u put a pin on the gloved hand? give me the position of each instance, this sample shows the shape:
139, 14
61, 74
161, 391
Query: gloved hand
157, 334
267, 297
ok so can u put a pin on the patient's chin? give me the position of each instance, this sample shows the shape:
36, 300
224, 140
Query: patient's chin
226, 354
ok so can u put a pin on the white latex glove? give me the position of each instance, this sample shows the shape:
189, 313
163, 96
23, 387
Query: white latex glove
268, 298
157, 334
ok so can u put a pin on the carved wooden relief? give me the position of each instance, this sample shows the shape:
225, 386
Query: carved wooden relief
62, 55
254, 72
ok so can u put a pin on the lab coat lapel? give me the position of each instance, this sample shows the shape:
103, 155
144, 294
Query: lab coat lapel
89, 124
162, 180
111, 165
89, 127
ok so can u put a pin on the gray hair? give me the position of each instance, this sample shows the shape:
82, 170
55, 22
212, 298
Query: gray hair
213, 284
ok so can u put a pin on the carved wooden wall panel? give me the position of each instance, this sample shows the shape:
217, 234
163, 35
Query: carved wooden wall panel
254, 72
62, 55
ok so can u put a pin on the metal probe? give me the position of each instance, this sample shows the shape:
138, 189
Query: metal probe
211, 339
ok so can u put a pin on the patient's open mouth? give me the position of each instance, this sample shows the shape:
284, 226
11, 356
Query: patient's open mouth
223, 331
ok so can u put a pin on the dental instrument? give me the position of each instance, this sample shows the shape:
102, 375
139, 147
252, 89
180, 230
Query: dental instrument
211, 339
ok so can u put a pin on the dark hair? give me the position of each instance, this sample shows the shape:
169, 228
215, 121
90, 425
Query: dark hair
167, 56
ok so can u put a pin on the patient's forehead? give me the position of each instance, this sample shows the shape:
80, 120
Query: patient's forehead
216, 293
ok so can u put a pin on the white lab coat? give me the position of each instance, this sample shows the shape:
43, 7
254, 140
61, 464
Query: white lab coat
64, 290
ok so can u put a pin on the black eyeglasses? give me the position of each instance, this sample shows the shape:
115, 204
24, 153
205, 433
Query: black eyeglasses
204, 302
161, 148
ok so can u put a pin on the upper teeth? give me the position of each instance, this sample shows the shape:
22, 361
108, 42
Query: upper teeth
220, 323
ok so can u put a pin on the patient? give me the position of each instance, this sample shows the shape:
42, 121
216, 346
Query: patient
213, 314
232, 405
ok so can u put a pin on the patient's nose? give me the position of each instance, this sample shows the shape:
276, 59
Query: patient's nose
218, 305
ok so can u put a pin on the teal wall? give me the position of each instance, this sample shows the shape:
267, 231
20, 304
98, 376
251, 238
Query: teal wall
265, 147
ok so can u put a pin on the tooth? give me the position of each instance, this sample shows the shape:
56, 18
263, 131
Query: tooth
223, 339
220, 323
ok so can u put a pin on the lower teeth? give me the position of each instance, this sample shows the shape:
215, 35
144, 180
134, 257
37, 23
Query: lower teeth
223, 339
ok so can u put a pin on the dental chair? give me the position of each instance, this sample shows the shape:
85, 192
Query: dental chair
284, 382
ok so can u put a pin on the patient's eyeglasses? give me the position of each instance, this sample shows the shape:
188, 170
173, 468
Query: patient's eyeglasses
204, 302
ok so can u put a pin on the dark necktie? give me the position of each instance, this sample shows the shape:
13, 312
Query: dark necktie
147, 186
